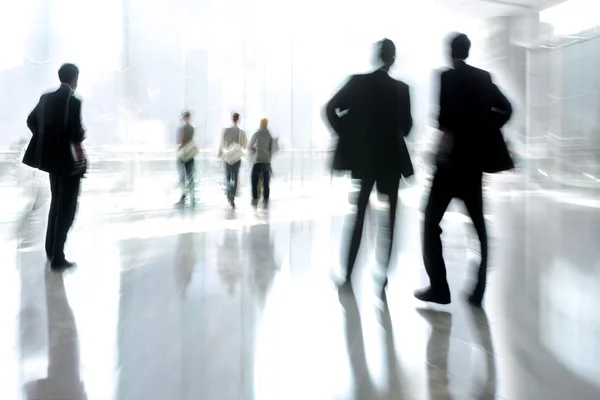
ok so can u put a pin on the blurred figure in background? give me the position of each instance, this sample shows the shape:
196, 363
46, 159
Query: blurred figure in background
371, 115
186, 152
233, 142
261, 146
472, 110
55, 147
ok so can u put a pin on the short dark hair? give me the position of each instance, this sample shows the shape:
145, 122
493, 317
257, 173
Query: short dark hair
186, 114
67, 73
460, 45
387, 51
235, 117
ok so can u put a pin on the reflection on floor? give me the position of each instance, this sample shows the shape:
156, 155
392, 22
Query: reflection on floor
213, 304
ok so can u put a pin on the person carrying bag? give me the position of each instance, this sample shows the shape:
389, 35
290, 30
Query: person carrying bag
56, 148
186, 152
231, 152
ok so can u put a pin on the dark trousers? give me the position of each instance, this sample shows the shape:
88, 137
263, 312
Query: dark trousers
187, 178
65, 191
388, 186
232, 173
444, 188
259, 169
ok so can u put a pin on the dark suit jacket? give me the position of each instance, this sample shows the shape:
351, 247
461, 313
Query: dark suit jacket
50, 145
373, 121
473, 110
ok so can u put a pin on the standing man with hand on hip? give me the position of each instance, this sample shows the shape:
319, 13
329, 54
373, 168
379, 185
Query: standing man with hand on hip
371, 116
55, 147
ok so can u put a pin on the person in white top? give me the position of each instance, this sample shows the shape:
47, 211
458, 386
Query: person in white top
232, 136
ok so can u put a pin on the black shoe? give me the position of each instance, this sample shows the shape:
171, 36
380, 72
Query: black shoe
180, 203
61, 265
431, 296
345, 283
475, 301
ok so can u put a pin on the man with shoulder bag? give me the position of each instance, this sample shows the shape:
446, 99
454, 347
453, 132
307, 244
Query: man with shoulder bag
231, 151
56, 148
472, 111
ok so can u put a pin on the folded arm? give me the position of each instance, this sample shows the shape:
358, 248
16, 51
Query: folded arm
33, 119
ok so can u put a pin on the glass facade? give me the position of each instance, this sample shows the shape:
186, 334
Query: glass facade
144, 61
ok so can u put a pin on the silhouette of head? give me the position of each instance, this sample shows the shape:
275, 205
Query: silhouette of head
186, 117
69, 74
387, 52
264, 123
235, 118
460, 45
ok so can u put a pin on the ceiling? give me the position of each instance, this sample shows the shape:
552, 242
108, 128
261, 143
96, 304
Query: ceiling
496, 8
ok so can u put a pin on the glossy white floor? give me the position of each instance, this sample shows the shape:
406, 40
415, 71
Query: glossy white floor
210, 304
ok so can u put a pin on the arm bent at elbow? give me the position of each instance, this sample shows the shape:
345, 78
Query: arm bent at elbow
407, 120
342, 101
252, 143
76, 131
32, 119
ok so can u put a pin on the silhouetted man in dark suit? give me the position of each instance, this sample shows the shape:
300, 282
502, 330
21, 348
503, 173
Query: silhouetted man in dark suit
55, 123
471, 108
371, 115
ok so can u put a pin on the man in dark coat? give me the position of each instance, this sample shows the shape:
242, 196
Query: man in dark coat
371, 115
55, 123
472, 111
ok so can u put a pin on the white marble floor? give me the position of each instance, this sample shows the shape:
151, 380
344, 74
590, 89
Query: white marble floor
211, 304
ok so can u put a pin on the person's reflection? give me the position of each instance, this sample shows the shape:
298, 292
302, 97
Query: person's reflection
394, 389
185, 260
263, 266
438, 349
63, 380
229, 261
29, 221
481, 327
355, 345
